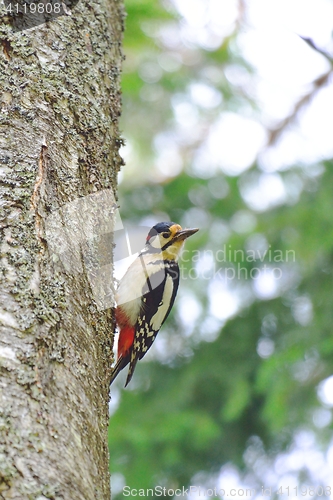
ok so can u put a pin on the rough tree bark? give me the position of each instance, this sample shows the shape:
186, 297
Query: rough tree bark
59, 139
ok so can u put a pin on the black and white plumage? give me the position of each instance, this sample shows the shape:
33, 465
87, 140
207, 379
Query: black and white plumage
147, 292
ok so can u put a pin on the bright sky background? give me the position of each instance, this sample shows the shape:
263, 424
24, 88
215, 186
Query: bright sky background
285, 65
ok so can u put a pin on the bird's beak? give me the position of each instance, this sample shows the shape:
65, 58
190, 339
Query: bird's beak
184, 233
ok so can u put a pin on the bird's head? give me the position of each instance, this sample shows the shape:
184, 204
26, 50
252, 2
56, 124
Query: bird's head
168, 238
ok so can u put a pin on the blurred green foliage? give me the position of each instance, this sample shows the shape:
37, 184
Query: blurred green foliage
201, 406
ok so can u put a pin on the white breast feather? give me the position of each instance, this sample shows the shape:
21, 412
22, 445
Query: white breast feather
129, 291
159, 316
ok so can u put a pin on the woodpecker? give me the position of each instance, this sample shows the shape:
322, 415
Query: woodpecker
146, 293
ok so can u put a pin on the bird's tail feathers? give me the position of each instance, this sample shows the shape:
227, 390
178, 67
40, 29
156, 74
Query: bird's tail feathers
121, 363
131, 369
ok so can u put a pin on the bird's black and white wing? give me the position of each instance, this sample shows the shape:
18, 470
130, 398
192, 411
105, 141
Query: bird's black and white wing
158, 297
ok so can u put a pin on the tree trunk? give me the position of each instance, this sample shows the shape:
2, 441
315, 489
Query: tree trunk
60, 103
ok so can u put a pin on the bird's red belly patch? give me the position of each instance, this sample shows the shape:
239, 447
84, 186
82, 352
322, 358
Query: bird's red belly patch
125, 342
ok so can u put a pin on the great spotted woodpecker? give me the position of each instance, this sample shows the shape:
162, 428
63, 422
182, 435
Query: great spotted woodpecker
147, 292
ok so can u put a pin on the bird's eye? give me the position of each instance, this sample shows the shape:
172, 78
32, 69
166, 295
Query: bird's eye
165, 235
